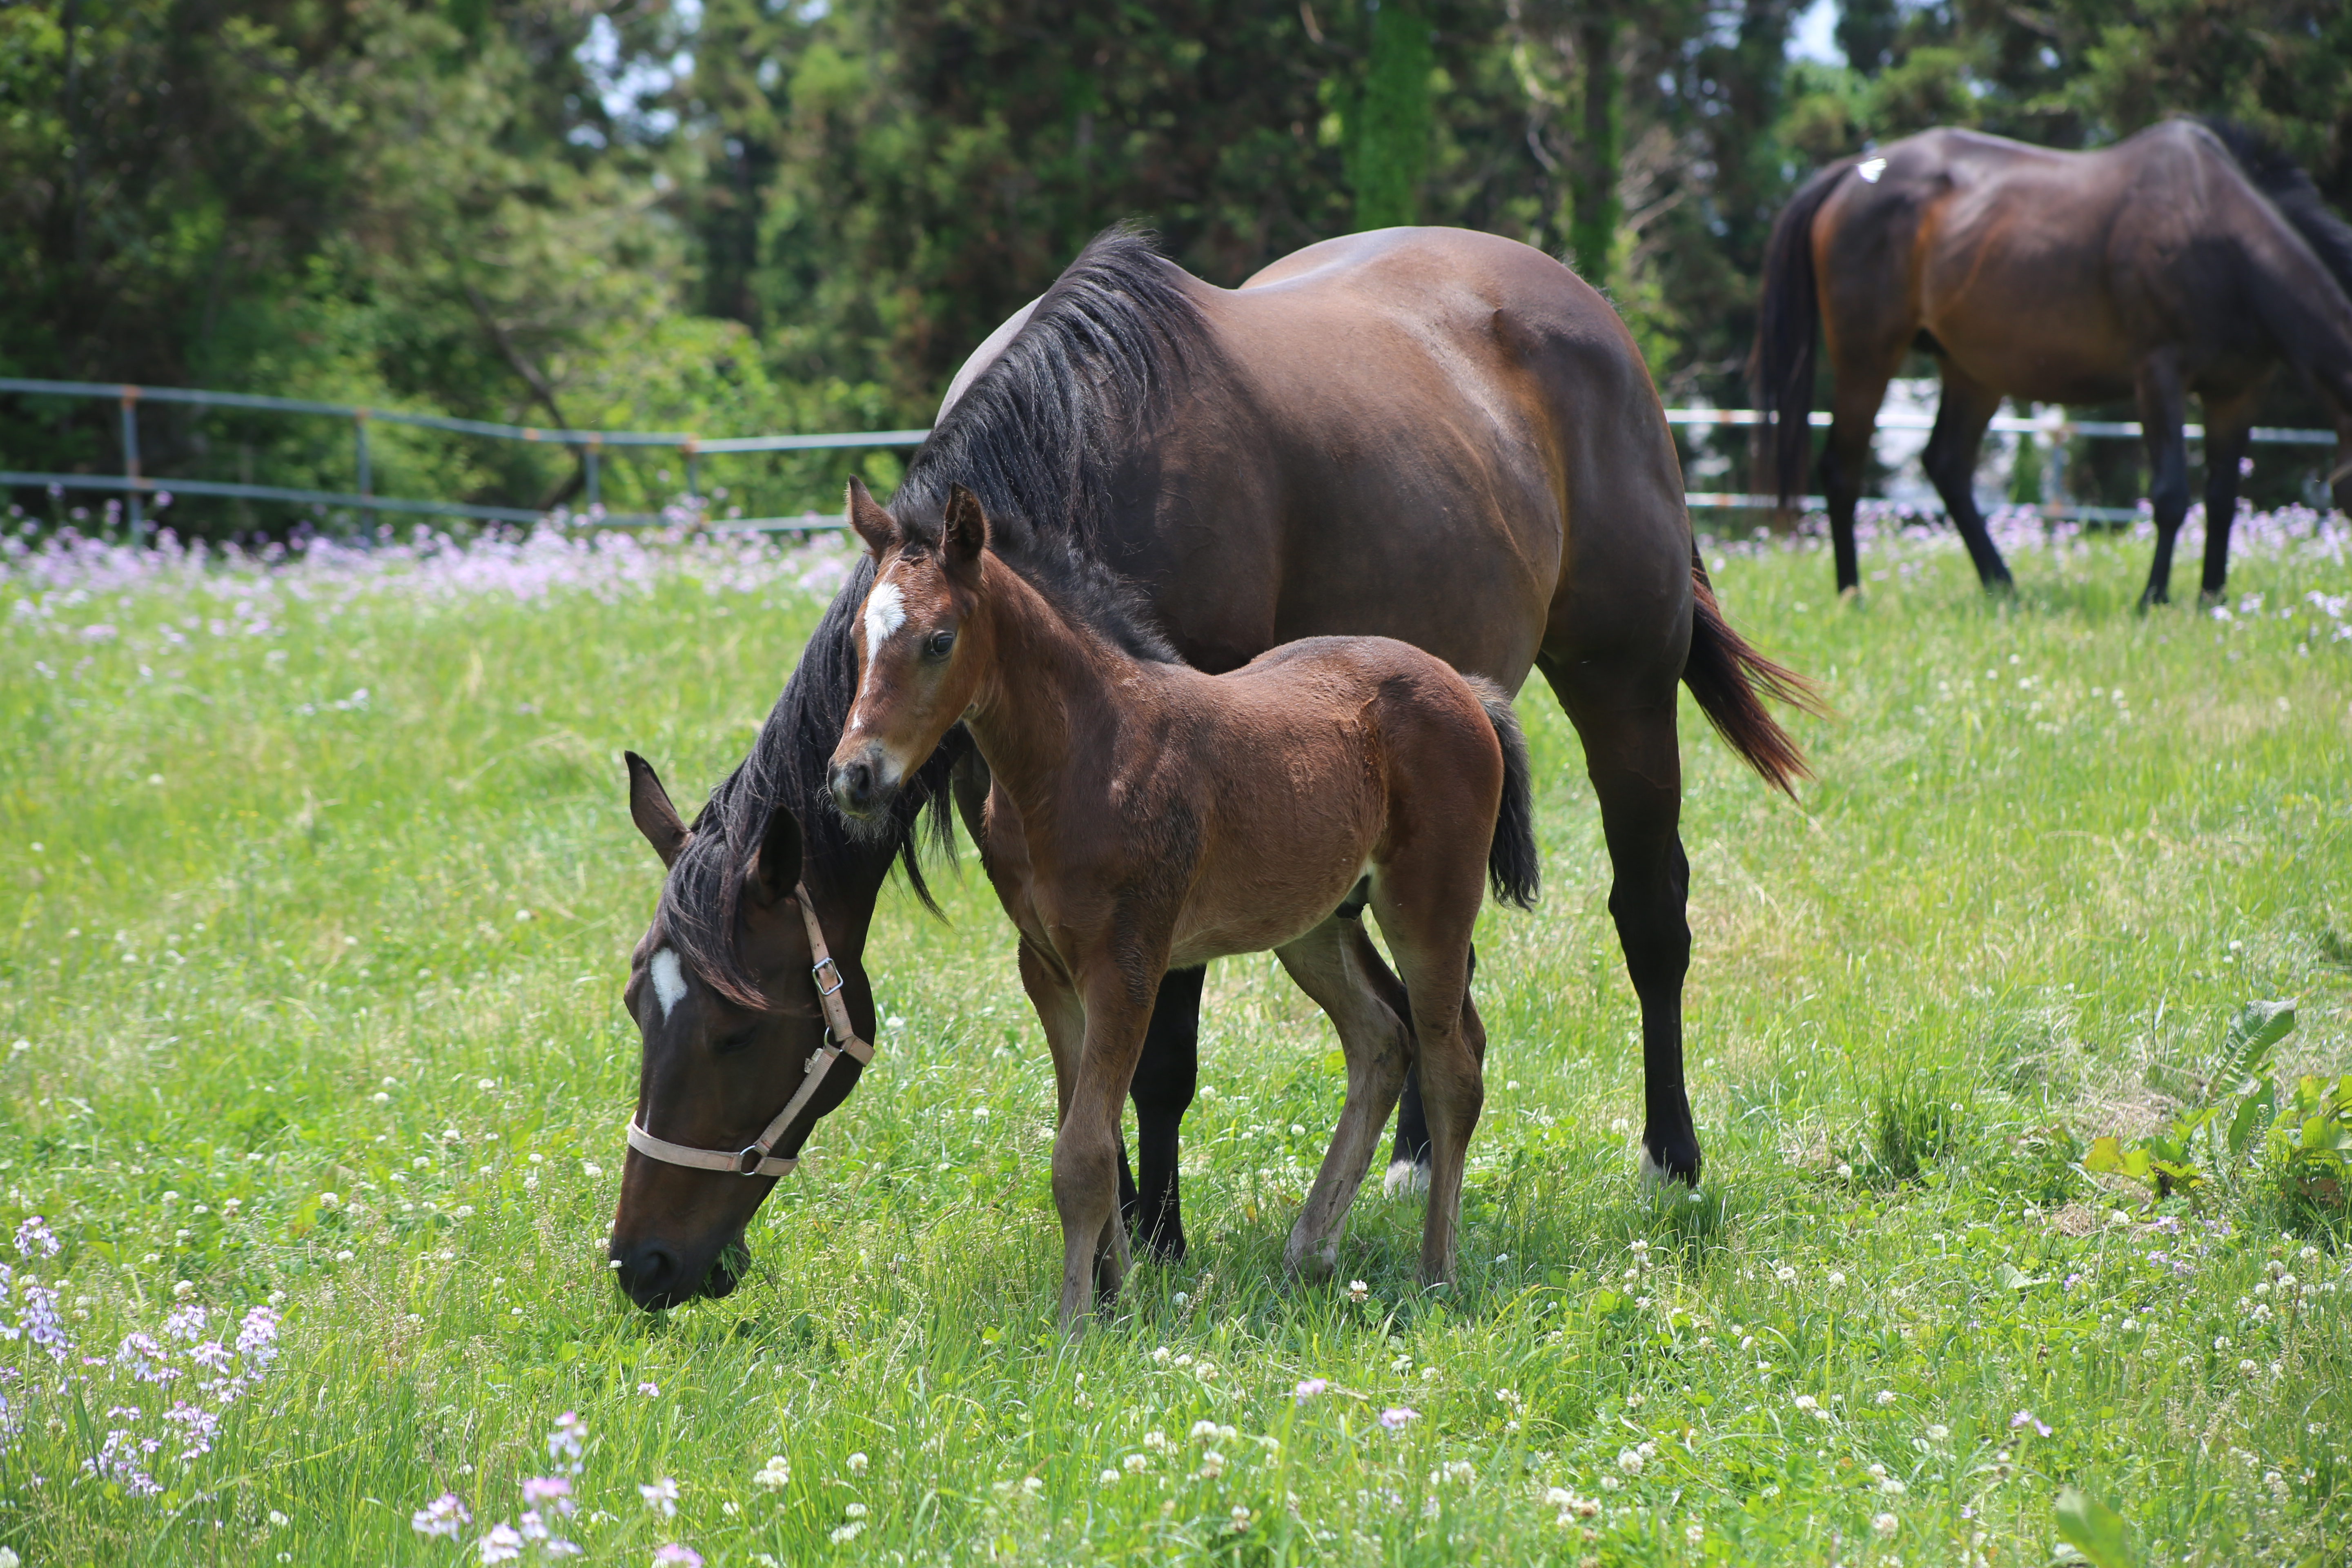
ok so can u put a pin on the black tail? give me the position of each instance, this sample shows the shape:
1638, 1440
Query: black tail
1512, 865
1788, 323
1724, 674
2289, 190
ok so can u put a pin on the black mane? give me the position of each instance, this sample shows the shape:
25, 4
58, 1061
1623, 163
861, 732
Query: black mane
2289, 190
1042, 437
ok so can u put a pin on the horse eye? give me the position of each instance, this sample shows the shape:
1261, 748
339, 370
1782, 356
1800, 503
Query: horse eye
734, 1043
938, 644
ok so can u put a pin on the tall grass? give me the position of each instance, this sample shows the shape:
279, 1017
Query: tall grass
322, 882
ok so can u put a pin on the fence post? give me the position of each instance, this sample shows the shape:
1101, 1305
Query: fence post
595, 492
367, 479
136, 514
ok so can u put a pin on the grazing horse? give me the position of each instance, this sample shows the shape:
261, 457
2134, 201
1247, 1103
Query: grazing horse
1432, 434
2186, 259
1142, 815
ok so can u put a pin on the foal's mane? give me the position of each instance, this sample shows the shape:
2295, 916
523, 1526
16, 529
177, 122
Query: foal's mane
1042, 437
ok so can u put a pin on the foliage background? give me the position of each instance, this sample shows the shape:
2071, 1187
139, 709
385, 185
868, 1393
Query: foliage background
733, 215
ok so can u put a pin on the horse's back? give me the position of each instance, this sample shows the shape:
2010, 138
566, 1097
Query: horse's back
1458, 419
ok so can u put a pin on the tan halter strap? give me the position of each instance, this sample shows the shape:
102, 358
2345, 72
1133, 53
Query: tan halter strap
840, 1039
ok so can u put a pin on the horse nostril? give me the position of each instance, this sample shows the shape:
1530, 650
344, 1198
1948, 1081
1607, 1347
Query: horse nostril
852, 785
649, 1274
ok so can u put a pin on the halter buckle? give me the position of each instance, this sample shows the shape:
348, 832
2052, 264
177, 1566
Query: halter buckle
816, 973
748, 1160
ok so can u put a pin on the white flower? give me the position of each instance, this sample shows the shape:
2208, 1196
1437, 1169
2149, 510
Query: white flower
1241, 1517
1107, 1479
1784, 1274
661, 1495
1892, 1487
775, 1475
1886, 1396
1160, 1354
1885, 1524
329, 1201
1359, 1291
858, 1510
1836, 1279
1135, 1464
1938, 1432
843, 1533
1212, 1465
857, 1463
1033, 1485
1630, 1460
1695, 1533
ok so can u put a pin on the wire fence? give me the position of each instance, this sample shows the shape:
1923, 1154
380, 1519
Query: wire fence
2052, 427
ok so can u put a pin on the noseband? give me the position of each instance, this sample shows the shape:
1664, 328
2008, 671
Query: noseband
840, 1039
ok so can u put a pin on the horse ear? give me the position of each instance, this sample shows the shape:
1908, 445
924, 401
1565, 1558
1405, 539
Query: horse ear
877, 526
650, 809
775, 868
965, 534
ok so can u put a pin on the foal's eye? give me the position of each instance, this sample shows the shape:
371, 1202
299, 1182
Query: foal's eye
729, 1045
937, 643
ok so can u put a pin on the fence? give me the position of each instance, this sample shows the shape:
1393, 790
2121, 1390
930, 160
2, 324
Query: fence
2052, 427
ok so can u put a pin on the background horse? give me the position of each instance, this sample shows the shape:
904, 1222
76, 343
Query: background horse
1143, 813
2176, 262
1433, 434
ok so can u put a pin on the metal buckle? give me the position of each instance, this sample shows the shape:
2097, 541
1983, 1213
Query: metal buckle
816, 973
748, 1158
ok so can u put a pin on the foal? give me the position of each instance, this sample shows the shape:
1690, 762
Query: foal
1143, 816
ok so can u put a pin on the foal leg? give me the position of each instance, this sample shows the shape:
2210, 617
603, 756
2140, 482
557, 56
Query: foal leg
1165, 1077
1332, 965
2162, 405
1085, 1150
1434, 963
1966, 406
1634, 761
2228, 423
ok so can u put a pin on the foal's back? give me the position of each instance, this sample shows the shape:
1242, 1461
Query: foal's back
1316, 762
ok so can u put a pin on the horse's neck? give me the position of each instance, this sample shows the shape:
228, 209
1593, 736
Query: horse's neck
1050, 698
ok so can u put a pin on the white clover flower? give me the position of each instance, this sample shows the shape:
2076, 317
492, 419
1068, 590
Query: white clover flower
1212, 1465
1359, 1291
842, 1534
1631, 1461
1203, 1431
857, 1463
1157, 1442
1893, 1486
329, 1201
1695, 1533
1784, 1274
1107, 1479
1938, 1432
775, 1475
858, 1510
1240, 1516
1135, 1464
1836, 1279
1033, 1485
1886, 1396
1886, 1524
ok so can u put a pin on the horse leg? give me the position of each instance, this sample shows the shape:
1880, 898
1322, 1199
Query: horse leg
1861, 388
2228, 421
1430, 935
1966, 406
1330, 963
1634, 760
1085, 1150
1408, 1169
2162, 405
1165, 1078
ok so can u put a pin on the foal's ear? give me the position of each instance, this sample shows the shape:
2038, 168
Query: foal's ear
877, 526
965, 533
650, 809
775, 868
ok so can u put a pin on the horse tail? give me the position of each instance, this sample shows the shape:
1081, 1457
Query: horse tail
1724, 674
1512, 866
1788, 323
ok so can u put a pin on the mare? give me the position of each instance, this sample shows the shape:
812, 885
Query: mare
1433, 434
2186, 259
1142, 815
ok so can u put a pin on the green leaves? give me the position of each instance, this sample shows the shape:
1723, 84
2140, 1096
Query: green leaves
2094, 1529
2238, 1102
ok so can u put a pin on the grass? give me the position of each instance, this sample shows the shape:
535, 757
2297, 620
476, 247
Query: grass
268, 939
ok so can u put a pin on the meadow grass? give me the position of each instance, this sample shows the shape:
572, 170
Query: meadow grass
323, 886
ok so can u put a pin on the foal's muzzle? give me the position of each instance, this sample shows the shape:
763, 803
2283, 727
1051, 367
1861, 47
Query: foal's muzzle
860, 788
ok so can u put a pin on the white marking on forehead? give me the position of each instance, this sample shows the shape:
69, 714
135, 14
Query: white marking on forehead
886, 612
669, 980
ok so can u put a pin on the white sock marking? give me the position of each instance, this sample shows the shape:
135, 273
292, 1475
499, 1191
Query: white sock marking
1404, 1176
669, 980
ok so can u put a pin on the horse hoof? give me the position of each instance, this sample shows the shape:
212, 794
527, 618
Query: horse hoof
1312, 1266
1405, 1176
1656, 1175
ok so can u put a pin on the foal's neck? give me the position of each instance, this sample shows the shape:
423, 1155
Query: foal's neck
1052, 699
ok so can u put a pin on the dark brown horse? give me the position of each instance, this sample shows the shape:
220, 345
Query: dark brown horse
1142, 815
1432, 434
2175, 263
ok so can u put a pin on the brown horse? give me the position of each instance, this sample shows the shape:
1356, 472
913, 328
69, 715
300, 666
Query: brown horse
2176, 262
1432, 434
1142, 815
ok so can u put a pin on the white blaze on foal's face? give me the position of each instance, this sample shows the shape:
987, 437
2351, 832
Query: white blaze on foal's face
669, 980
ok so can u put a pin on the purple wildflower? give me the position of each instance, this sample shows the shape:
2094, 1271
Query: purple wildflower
35, 1237
1395, 1416
444, 1515
540, 1491
2026, 1418
673, 1555
566, 1442
1308, 1387
662, 1495
501, 1543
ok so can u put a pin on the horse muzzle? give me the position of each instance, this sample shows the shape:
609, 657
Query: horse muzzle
864, 785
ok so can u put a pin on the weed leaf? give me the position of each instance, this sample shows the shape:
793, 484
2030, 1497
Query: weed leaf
2094, 1529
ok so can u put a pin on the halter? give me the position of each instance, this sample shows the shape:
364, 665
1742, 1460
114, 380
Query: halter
840, 1039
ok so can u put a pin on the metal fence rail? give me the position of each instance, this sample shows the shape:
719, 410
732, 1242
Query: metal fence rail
137, 486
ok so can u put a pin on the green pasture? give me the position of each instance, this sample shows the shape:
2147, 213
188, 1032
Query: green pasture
323, 883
